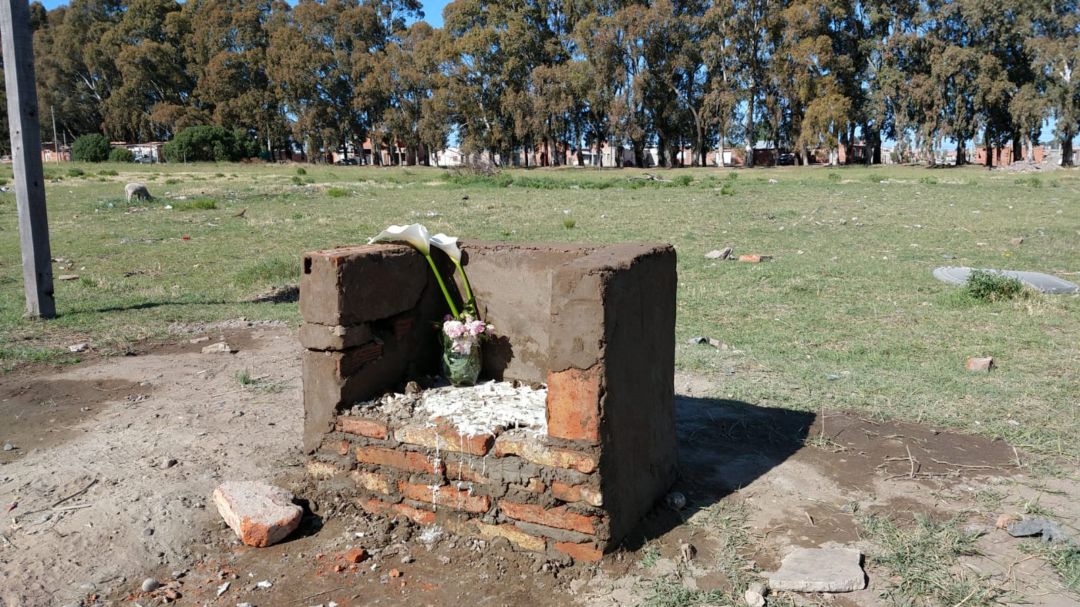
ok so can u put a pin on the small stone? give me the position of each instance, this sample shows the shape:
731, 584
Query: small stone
445, 560
223, 588
675, 500
405, 560
199, 340
68, 277
754, 598
1017, 241
219, 348
820, 570
8, 447
980, 364
355, 555
259, 514
79, 347
719, 253
395, 573
1005, 520
167, 462
264, 585
150, 585
148, 531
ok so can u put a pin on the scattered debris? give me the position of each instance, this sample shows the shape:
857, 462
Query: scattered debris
755, 595
79, 347
985, 363
68, 277
219, 347
260, 514
723, 253
754, 258
1049, 530
820, 570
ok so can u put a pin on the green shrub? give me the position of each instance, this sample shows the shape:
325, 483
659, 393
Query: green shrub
683, 180
834, 177
172, 181
76, 172
210, 143
875, 178
337, 192
569, 223
107, 173
1031, 181
296, 179
928, 180
727, 189
90, 148
301, 171
121, 155
992, 286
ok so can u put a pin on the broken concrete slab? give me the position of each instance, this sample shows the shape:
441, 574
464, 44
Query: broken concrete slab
820, 570
259, 513
1036, 280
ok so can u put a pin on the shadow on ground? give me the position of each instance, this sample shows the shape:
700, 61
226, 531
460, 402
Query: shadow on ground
724, 445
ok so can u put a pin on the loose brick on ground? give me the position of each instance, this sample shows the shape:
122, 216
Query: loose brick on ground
259, 513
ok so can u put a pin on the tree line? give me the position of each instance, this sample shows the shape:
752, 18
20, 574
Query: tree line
502, 77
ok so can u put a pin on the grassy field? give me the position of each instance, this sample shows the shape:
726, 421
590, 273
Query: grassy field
846, 315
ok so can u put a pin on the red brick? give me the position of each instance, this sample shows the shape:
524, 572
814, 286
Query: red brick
355, 555
259, 513
416, 515
577, 493
402, 460
445, 496
580, 552
362, 427
515, 536
372, 481
573, 404
754, 258
444, 437
530, 448
560, 517
381, 508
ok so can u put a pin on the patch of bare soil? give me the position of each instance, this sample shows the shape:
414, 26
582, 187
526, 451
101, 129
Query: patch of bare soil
116, 458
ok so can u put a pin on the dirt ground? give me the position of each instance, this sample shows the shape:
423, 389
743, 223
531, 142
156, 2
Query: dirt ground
114, 460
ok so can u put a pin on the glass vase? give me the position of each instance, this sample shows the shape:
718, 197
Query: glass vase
461, 369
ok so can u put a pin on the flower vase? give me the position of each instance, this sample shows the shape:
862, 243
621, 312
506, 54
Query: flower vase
461, 369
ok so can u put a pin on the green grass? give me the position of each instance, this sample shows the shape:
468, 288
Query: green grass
921, 561
848, 293
195, 204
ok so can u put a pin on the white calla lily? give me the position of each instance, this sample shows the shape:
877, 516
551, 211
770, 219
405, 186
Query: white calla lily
412, 234
448, 245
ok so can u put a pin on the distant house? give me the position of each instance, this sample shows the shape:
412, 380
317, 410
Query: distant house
449, 157
50, 153
150, 151
1004, 155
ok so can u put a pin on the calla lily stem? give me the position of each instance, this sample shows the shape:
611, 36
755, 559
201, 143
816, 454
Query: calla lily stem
471, 303
442, 285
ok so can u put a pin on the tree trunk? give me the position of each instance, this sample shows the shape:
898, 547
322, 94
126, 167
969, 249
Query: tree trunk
1067, 148
1030, 149
720, 151
961, 160
749, 160
989, 150
1017, 146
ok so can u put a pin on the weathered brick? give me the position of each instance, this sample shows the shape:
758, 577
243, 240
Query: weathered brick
985, 363
381, 508
444, 437
461, 471
445, 496
516, 536
580, 552
373, 481
577, 493
573, 404
361, 426
343, 447
402, 460
334, 337
560, 517
530, 448
322, 470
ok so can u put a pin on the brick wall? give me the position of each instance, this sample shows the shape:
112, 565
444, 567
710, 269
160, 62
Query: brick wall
595, 323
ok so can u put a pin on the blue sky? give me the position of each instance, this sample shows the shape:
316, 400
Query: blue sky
432, 9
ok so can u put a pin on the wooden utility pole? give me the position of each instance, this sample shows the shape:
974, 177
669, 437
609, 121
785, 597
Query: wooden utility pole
26, 157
